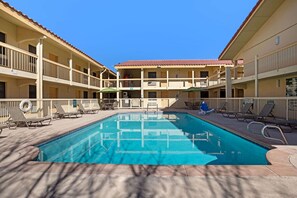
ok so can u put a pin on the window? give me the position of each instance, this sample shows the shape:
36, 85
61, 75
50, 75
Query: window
152, 94
32, 91
203, 74
3, 40
2, 89
152, 75
204, 94
85, 94
94, 74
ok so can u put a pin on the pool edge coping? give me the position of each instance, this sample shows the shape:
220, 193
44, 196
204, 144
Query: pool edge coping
279, 159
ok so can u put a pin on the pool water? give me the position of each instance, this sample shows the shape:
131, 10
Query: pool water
153, 139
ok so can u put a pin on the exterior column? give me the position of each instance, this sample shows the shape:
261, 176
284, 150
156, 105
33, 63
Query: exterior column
71, 69
39, 72
167, 79
100, 94
89, 75
118, 88
141, 84
193, 76
228, 87
256, 77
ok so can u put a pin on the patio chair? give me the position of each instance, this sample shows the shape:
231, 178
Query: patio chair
62, 114
17, 117
2, 126
262, 116
222, 108
245, 110
189, 105
84, 110
103, 105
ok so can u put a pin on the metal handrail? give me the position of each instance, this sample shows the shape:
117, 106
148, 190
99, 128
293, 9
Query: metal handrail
280, 131
284, 141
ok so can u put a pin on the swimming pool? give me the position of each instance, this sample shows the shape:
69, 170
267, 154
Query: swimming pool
153, 139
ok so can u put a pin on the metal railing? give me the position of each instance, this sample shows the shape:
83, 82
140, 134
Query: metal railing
18, 59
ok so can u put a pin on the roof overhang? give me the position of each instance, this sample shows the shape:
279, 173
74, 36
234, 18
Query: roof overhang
262, 11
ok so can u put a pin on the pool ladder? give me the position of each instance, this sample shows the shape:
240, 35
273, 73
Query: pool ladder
266, 134
152, 104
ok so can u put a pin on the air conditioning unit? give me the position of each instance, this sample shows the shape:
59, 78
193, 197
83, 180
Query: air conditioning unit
125, 94
151, 83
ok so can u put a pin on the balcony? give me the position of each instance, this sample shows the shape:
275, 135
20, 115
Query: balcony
276, 61
14, 58
18, 62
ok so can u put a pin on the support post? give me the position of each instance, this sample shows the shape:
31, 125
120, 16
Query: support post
89, 75
256, 77
118, 88
167, 79
71, 69
39, 80
228, 82
193, 76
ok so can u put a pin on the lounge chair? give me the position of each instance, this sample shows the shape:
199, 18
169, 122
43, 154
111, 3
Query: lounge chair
222, 108
261, 117
189, 105
103, 106
245, 110
84, 110
62, 114
2, 126
17, 117
281, 122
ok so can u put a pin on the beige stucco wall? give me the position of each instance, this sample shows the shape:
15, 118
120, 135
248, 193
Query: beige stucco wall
282, 23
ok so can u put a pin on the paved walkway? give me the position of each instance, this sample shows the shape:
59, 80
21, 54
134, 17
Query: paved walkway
20, 178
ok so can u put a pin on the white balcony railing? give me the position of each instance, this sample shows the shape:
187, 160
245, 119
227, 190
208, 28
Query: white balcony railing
55, 70
79, 77
18, 59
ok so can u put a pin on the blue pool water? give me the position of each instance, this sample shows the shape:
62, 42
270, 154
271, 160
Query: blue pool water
153, 139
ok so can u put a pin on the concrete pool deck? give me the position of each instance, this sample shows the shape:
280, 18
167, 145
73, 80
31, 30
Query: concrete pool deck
20, 177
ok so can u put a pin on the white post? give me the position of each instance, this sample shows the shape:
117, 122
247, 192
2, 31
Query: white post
256, 77
89, 75
71, 69
101, 75
141, 84
193, 76
39, 80
118, 88
228, 82
167, 79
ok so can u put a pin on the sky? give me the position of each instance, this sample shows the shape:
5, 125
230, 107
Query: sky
114, 31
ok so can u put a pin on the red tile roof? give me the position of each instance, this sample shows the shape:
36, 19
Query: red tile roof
50, 32
174, 62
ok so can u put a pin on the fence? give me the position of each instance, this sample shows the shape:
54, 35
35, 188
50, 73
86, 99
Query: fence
285, 107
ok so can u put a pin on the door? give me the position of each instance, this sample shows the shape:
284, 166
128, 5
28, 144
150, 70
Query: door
2, 89
163, 82
53, 92
53, 71
190, 79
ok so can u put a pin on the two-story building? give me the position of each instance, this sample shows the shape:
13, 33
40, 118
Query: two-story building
169, 80
36, 63
267, 44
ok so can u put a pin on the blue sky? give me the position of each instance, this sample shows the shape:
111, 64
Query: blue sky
113, 31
